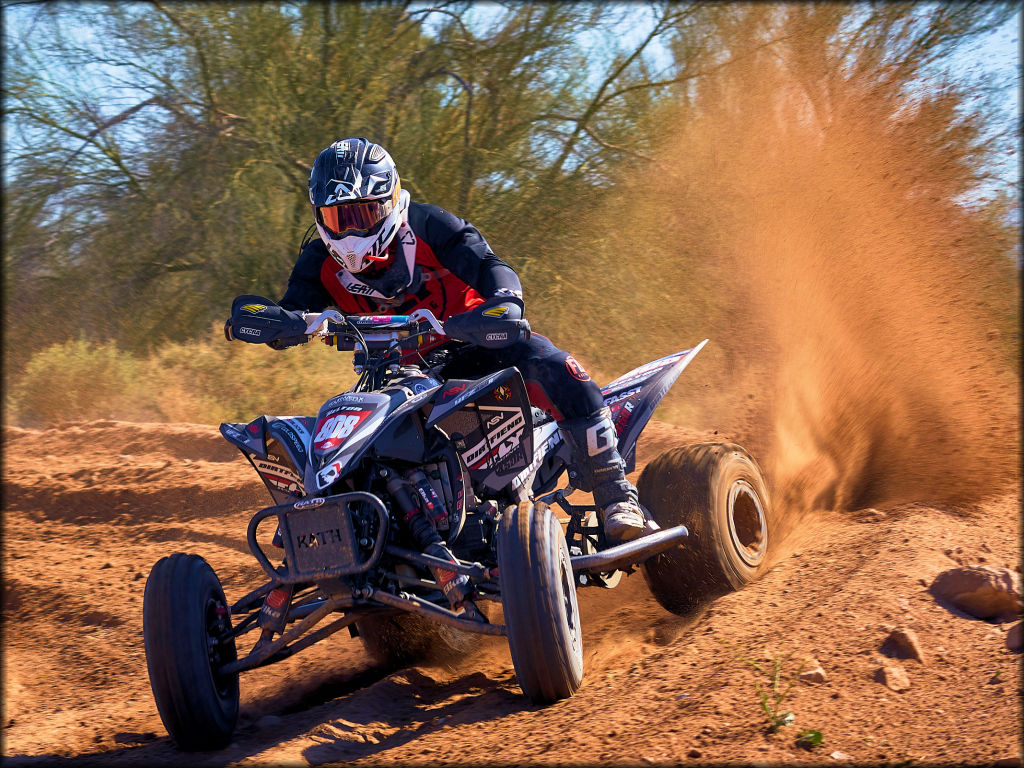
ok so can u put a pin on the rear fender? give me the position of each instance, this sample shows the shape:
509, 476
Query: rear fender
632, 397
277, 448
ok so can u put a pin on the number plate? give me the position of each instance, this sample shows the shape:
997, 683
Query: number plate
320, 541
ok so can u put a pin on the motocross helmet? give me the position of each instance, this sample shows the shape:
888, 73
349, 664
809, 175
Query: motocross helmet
358, 202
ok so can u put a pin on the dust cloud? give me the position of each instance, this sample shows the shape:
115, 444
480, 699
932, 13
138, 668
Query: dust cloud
862, 323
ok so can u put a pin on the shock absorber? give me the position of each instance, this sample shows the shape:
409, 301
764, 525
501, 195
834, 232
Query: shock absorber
435, 508
455, 586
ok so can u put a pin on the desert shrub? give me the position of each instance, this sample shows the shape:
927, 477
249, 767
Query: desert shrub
213, 381
205, 382
80, 380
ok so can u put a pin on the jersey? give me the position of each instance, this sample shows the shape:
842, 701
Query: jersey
453, 270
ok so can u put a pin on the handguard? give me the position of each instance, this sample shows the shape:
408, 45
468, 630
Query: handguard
494, 324
257, 320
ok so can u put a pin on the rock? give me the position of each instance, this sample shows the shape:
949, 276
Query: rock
902, 644
837, 755
894, 678
983, 591
1014, 639
813, 673
694, 753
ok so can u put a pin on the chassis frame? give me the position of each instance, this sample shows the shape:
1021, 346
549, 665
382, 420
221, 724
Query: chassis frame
305, 609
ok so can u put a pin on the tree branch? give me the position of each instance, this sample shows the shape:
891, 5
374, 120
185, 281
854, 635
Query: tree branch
598, 101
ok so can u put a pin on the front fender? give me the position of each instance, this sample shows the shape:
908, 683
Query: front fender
277, 448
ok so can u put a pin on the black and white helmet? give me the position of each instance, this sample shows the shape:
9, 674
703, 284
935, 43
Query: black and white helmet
357, 200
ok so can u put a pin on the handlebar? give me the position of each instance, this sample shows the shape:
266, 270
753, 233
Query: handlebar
375, 332
493, 324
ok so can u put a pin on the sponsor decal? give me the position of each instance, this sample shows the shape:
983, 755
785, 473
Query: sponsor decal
333, 430
280, 431
502, 392
620, 415
496, 312
318, 538
276, 474
539, 455
248, 331
600, 438
359, 288
460, 399
454, 389
503, 336
346, 398
273, 466
254, 428
504, 438
621, 396
636, 375
282, 484
575, 369
309, 503
328, 475
343, 409
513, 460
254, 308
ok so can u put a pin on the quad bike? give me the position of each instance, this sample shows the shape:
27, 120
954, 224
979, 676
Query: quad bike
406, 458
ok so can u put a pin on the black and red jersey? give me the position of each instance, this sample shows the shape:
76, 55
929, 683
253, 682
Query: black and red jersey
455, 269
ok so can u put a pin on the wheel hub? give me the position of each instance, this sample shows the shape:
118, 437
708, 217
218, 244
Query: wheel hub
748, 528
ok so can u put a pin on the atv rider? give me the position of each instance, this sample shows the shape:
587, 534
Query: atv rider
379, 252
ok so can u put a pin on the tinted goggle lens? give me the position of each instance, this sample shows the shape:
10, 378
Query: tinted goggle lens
359, 217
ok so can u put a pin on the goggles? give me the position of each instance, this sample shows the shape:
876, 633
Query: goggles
356, 218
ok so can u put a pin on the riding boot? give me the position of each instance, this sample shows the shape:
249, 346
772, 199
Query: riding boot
597, 467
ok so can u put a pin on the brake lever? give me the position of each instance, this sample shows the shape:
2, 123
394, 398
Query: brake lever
316, 323
426, 316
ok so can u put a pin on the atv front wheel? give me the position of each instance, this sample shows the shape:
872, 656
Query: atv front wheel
184, 620
538, 594
717, 491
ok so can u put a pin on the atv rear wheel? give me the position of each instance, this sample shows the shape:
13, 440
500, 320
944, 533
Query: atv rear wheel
538, 594
717, 491
184, 617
